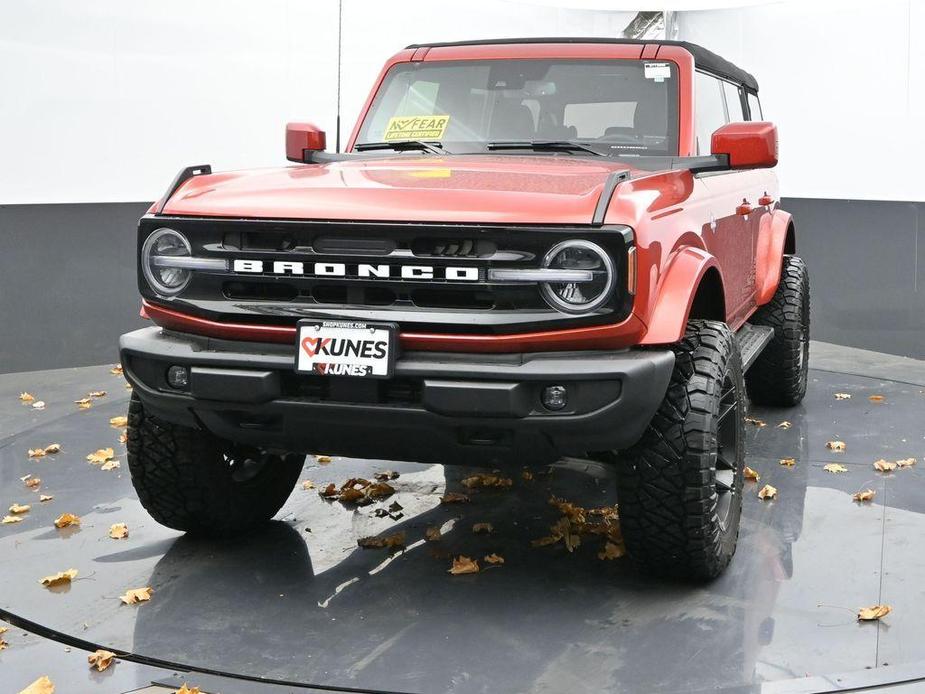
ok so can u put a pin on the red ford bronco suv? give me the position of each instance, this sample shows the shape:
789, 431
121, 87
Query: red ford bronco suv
530, 248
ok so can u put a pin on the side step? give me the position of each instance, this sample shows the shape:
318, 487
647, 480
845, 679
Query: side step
752, 339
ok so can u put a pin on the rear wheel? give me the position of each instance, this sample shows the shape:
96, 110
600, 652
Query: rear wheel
779, 374
679, 489
190, 480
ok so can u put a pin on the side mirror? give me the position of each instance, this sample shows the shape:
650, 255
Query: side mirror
302, 138
749, 144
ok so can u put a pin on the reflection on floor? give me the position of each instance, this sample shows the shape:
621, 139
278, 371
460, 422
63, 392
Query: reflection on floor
300, 601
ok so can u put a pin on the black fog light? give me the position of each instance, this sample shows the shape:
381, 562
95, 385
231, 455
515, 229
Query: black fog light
178, 377
555, 397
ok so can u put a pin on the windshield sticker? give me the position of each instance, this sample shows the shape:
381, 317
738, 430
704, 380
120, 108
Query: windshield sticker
416, 128
658, 71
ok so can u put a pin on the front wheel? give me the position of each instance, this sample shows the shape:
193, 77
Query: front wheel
192, 481
679, 489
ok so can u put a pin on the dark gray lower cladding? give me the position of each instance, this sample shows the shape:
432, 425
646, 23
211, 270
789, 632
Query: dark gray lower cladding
67, 278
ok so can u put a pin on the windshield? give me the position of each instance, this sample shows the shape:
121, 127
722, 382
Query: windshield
613, 107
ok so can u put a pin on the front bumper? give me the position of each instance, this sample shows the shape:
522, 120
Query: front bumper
440, 407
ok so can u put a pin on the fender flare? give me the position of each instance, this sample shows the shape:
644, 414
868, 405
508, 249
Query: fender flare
772, 242
683, 274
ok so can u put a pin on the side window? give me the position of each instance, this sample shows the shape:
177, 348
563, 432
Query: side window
754, 106
733, 101
709, 111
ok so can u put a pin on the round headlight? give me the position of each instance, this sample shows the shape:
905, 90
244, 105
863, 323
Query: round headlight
158, 254
579, 297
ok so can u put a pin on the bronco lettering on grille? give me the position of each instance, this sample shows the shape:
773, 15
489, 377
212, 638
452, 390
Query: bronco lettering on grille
357, 270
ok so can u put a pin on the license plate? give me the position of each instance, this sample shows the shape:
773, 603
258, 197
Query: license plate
346, 348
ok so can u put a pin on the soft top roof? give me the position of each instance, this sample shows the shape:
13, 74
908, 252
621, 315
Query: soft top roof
705, 60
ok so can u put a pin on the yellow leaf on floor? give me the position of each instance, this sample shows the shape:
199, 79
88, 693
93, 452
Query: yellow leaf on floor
116, 370
32, 482
493, 559
100, 659
884, 466
751, 475
454, 498
46, 497
464, 565
100, 456
97, 393
42, 685
323, 459
842, 396
110, 465
867, 614
432, 534
834, 468
307, 484
767, 492
611, 551
123, 437
52, 448
876, 399
387, 475
755, 422
118, 531
866, 495
20, 508
3, 645
784, 425
906, 462
66, 520
26, 397
136, 595
836, 445
37, 453
59, 578
120, 421
393, 541
526, 476
38, 405
7, 520
483, 528
483, 479
84, 403
186, 689
787, 462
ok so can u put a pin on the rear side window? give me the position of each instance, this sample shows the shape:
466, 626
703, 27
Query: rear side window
754, 106
733, 102
709, 110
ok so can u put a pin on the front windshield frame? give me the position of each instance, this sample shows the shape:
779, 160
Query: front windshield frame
632, 143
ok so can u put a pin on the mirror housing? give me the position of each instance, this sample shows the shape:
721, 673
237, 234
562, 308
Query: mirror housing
748, 145
303, 138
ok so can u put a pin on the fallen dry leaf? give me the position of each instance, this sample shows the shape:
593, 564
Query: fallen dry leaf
393, 541
787, 462
3, 645
42, 685
46, 497
100, 456
84, 403
118, 531
834, 468
136, 595
110, 465
884, 466
487, 480
483, 528
116, 370
868, 614
866, 495
26, 397
464, 565
906, 462
32, 482
432, 534
37, 453
454, 498
493, 559
7, 520
526, 476
123, 437
52, 448
97, 393
386, 475
100, 659
842, 396
24, 478
323, 459
611, 551
837, 446
20, 508
186, 689
784, 425
755, 422
59, 578
767, 492
66, 520
329, 492
751, 475
38, 405
120, 421
307, 484
876, 398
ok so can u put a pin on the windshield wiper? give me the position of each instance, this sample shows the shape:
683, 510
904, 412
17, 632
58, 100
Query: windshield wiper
401, 146
544, 145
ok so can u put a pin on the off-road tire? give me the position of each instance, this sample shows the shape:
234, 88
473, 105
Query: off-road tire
190, 480
779, 374
671, 513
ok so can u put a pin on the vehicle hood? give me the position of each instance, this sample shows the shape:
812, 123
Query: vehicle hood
513, 189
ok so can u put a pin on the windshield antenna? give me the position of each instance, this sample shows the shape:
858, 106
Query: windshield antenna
340, 15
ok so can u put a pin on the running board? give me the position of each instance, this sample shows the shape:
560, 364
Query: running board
752, 339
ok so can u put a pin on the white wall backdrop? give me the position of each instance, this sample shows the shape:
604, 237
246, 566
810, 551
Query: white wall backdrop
104, 100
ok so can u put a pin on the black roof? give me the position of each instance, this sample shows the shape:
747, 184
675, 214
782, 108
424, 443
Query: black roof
704, 59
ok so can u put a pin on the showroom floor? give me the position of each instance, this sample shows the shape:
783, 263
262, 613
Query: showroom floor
300, 602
